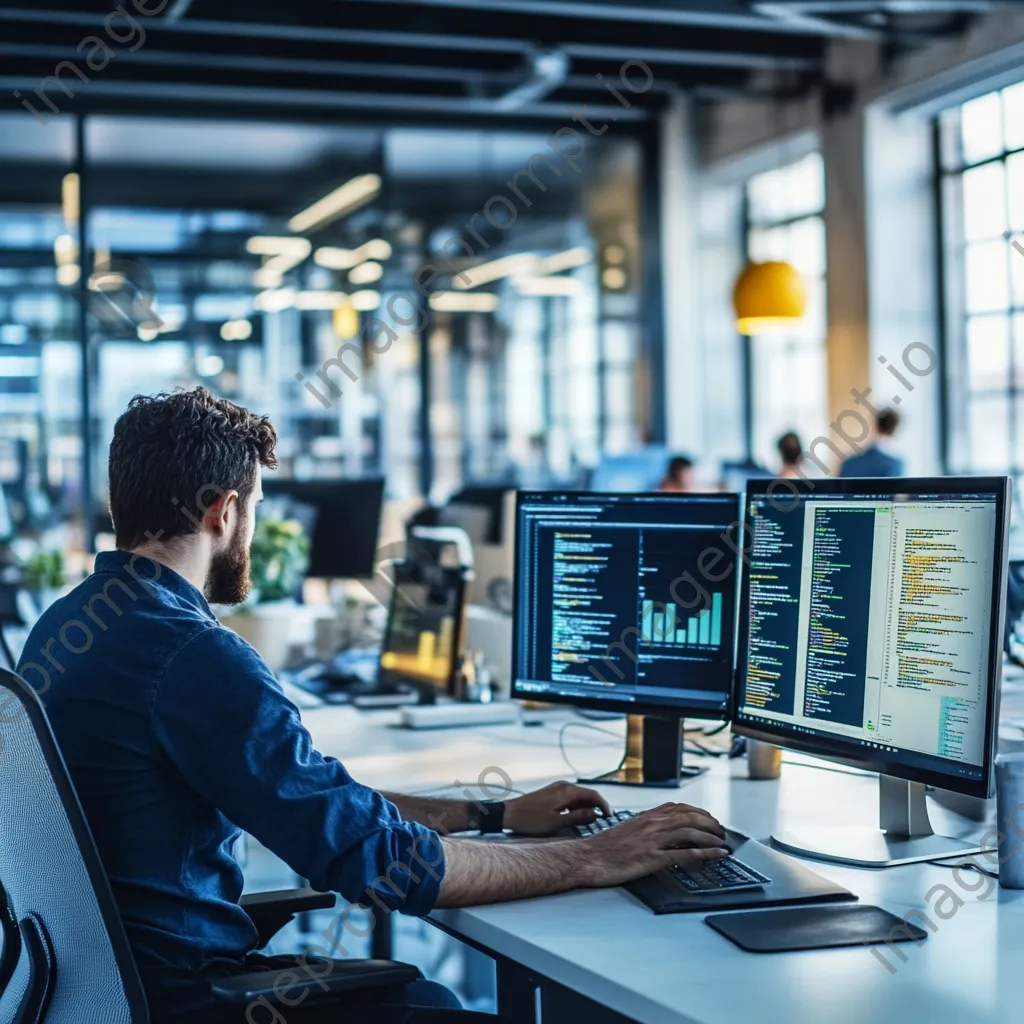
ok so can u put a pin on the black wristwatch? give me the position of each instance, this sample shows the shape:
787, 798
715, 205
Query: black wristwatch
492, 817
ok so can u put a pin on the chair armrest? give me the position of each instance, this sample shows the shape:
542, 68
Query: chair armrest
321, 979
271, 911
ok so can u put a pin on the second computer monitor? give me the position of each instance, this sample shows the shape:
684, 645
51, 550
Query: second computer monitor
626, 602
872, 623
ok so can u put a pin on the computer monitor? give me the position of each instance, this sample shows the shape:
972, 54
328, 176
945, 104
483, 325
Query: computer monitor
341, 518
640, 470
627, 602
871, 634
425, 627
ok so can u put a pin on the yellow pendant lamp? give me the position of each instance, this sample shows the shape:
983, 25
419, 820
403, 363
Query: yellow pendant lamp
768, 296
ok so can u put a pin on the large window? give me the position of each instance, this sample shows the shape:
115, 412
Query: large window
787, 370
982, 188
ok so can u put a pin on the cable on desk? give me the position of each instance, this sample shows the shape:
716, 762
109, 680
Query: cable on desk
964, 864
580, 725
711, 732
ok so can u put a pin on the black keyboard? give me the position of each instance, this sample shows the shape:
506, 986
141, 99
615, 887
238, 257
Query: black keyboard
703, 879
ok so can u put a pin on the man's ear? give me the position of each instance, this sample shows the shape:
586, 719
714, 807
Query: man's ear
216, 513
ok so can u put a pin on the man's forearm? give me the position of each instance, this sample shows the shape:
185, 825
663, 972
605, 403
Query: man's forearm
442, 816
482, 872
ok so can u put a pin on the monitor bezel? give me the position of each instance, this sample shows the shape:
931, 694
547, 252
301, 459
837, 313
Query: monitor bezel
675, 710
849, 753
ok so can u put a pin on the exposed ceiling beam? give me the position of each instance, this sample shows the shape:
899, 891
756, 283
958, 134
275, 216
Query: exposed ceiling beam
200, 93
725, 14
300, 33
178, 10
693, 58
243, 62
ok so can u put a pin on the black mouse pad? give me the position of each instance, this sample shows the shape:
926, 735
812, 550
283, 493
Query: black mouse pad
792, 928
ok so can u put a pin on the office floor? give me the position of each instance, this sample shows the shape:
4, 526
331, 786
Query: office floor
441, 958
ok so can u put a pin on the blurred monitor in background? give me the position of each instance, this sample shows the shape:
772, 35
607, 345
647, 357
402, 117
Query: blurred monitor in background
340, 517
630, 472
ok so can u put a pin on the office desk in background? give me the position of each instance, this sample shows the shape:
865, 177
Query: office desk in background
606, 947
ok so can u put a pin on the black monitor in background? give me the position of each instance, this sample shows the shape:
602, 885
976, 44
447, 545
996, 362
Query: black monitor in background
489, 497
872, 634
341, 518
627, 602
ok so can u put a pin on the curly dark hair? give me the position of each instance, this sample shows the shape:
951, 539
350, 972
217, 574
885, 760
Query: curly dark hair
173, 454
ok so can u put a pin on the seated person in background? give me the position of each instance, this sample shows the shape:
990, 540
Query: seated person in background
678, 478
177, 736
791, 452
878, 459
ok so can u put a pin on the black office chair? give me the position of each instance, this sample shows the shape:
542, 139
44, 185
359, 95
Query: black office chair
66, 958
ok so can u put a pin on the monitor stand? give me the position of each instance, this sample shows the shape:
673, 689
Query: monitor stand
904, 835
653, 756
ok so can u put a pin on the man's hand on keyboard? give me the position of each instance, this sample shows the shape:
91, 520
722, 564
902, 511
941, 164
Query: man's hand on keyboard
552, 808
654, 840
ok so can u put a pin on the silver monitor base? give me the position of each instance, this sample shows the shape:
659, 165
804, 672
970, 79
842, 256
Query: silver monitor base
904, 835
871, 847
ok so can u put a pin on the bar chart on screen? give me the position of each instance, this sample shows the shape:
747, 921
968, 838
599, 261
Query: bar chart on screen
663, 624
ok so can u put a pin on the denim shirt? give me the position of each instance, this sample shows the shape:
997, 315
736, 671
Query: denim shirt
177, 736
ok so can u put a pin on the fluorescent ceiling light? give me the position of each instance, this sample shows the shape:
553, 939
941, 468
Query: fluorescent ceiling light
348, 197
320, 300
485, 273
336, 259
107, 281
365, 300
65, 250
614, 254
209, 366
267, 277
613, 278
568, 260
68, 274
70, 195
273, 245
275, 299
366, 273
548, 286
451, 302
375, 249
236, 330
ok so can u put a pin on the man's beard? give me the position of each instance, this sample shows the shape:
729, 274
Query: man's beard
228, 580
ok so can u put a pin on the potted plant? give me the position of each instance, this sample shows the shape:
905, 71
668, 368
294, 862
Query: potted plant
278, 559
43, 576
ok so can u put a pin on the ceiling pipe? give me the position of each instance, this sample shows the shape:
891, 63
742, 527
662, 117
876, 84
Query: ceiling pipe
548, 71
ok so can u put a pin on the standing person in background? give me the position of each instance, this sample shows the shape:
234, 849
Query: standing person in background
878, 460
791, 451
679, 477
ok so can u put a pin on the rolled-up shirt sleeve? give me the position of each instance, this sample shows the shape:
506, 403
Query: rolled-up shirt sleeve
222, 720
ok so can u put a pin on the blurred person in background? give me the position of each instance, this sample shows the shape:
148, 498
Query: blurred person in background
877, 460
679, 476
791, 453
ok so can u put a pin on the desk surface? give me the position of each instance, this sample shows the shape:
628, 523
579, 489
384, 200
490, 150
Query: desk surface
674, 968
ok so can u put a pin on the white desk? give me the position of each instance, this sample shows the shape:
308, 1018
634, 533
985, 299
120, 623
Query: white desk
673, 968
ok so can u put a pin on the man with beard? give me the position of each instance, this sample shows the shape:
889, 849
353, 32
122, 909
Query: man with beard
177, 736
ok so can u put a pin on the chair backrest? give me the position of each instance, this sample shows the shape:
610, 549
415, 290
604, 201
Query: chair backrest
66, 958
